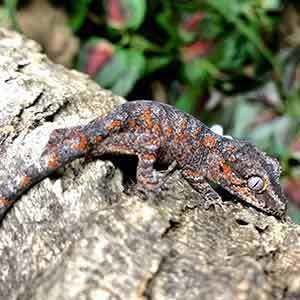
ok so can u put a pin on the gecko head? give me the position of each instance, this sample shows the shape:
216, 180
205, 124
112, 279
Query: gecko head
253, 176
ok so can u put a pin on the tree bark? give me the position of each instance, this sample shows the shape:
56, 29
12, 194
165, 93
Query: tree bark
77, 235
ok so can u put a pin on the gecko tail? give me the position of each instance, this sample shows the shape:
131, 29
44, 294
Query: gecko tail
3, 210
65, 145
18, 182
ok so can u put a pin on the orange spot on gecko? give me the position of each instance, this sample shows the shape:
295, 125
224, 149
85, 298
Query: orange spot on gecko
147, 118
229, 175
82, 144
196, 133
226, 170
155, 142
183, 124
177, 138
156, 129
230, 148
209, 141
115, 124
98, 139
53, 162
131, 123
191, 173
148, 156
25, 181
5, 202
120, 149
168, 131
181, 136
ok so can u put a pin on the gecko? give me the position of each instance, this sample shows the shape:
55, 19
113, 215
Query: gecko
157, 132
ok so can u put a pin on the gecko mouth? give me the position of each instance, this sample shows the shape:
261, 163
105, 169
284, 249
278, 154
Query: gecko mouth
264, 203
277, 210
273, 203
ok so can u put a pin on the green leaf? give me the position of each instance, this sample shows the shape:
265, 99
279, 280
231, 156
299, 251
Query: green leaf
113, 70
293, 213
293, 105
155, 63
142, 44
83, 52
4, 17
137, 10
212, 26
11, 6
200, 70
187, 102
80, 10
270, 4
190, 98
165, 19
230, 10
133, 72
233, 51
243, 117
125, 14
274, 136
94, 55
119, 72
232, 7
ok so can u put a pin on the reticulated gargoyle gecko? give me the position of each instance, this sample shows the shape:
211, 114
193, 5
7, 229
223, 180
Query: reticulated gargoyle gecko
157, 132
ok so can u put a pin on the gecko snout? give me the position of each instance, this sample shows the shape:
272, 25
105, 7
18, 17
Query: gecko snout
280, 209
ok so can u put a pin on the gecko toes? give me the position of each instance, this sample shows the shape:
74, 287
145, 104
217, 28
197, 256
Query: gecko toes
212, 199
143, 191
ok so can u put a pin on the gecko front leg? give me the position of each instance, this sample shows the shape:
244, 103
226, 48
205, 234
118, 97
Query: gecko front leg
147, 177
198, 182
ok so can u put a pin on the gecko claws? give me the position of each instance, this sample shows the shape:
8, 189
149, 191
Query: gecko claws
145, 191
212, 199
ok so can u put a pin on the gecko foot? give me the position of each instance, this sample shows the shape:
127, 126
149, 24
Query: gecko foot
144, 191
212, 199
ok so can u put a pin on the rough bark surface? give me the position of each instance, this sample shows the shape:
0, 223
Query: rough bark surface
77, 235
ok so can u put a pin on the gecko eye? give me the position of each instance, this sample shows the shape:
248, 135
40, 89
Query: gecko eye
256, 183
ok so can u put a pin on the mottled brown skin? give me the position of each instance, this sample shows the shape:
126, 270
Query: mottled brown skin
158, 132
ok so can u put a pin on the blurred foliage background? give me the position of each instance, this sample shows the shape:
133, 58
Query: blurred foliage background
228, 62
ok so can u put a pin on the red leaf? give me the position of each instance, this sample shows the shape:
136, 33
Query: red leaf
196, 50
115, 13
191, 22
97, 57
292, 189
295, 146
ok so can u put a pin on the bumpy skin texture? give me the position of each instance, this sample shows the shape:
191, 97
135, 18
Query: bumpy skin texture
158, 132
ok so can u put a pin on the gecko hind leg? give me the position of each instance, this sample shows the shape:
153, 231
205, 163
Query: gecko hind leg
198, 182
